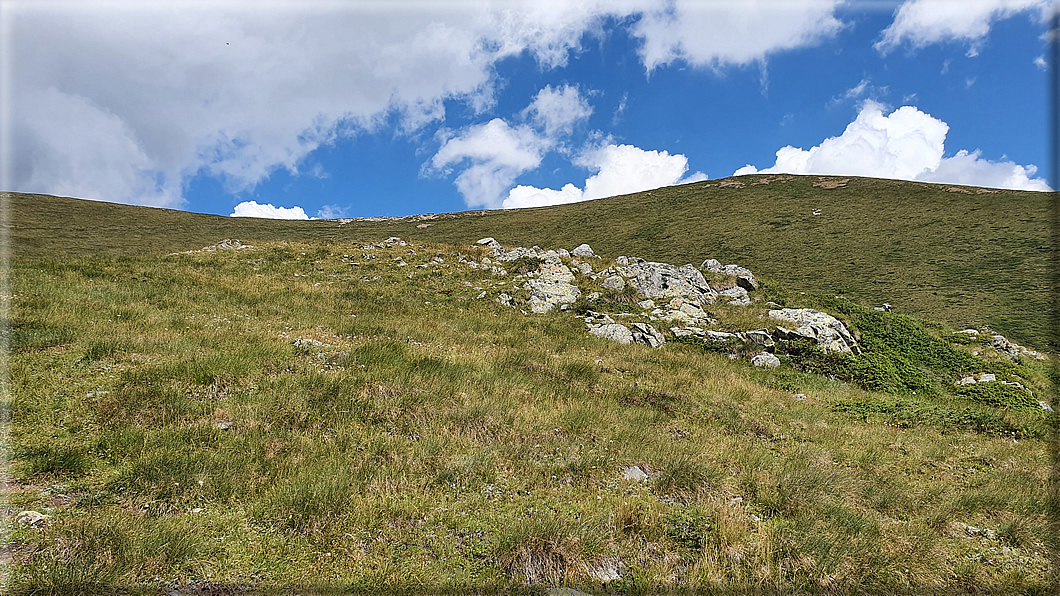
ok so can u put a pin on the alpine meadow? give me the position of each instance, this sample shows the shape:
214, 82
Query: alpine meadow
759, 384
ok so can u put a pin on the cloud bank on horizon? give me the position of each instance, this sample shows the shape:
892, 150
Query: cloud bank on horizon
907, 144
146, 106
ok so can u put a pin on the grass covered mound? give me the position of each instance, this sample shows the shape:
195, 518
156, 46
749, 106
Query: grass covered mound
297, 416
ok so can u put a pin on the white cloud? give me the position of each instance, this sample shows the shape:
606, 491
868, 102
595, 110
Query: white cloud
907, 144
238, 89
1041, 63
715, 34
924, 22
620, 169
331, 212
557, 110
497, 154
268, 211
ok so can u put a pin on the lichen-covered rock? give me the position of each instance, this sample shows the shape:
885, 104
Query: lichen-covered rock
615, 283
760, 337
551, 287
824, 330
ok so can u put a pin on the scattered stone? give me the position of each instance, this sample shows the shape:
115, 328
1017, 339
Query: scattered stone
504, 299
1006, 348
489, 241
824, 330
635, 473
226, 244
646, 304
622, 261
1045, 406
737, 296
987, 377
799, 396
687, 331
31, 519
423, 226
584, 251
310, 343
481, 296
585, 268
968, 331
224, 425
765, 359
615, 283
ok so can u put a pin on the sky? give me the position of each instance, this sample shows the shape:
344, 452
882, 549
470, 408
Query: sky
327, 109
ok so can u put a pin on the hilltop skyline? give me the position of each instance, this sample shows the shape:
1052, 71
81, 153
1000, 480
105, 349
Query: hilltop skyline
378, 109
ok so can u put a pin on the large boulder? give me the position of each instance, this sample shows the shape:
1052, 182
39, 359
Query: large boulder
765, 359
824, 330
664, 281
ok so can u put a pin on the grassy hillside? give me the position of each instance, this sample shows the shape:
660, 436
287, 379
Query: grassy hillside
167, 418
962, 255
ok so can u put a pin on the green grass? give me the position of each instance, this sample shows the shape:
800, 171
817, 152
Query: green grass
163, 418
974, 258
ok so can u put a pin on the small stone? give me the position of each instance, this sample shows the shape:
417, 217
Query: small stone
987, 377
31, 519
635, 473
583, 251
622, 261
1045, 406
799, 396
224, 425
766, 360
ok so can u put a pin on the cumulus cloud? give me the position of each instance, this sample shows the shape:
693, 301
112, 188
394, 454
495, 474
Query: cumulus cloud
924, 22
237, 90
714, 34
557, 110
496, 154
620, 169
906, 144
268, 211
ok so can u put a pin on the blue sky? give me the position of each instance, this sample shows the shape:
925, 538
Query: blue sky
357, 109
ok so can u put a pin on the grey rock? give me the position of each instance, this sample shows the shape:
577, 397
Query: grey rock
613, 332
646, 334
744, 278
766, 359
986, 377
760, 337
504, 299
583, 250
968, 331
966, 381
31, 519
720, 336
661, 280
1045, 406
615, 282
1006, 348
585, 268
595, 318
490, 242
799, 396
687, 331
646, 304
622, 261
552, 287
309, 343
824, 330
635, 473
565, 591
